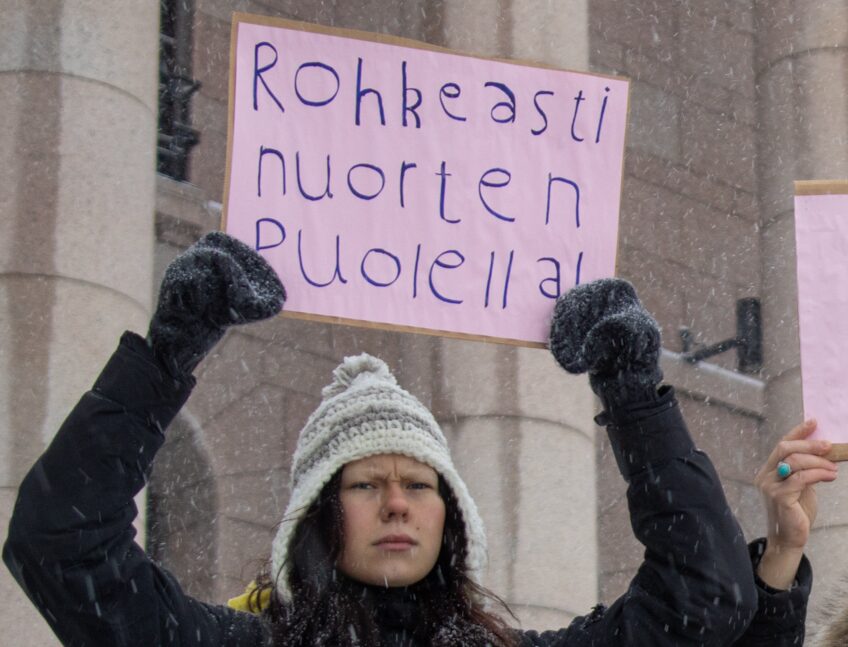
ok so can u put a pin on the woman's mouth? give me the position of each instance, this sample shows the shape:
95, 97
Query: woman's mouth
395, 542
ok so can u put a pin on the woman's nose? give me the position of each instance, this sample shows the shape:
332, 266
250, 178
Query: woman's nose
395, 503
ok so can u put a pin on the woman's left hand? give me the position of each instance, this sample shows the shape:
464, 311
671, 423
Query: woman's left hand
791, 501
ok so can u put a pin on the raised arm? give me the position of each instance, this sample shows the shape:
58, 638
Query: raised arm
783, 574
70, 543
695, 585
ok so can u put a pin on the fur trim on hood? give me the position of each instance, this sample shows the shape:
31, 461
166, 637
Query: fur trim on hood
834, 623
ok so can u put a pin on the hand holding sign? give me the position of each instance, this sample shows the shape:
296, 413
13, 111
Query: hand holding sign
216, 283
603, 329
791, 505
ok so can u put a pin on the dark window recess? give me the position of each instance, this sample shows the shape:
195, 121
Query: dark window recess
176, 87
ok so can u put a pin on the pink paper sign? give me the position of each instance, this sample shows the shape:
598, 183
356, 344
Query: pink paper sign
821, 235
394, 184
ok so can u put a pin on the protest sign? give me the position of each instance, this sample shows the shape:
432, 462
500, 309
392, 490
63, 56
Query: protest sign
395, 184
821, 238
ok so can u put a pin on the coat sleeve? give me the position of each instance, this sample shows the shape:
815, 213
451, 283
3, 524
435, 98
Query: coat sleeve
71, 540
781, 615
695, 585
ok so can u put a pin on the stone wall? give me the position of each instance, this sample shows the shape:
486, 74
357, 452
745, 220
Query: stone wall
730, 102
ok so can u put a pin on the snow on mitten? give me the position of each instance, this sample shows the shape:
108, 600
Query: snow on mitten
217, 282
601, 328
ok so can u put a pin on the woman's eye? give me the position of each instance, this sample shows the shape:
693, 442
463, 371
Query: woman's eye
420, 486
361, 486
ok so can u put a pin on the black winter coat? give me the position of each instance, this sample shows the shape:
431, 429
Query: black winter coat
71, 548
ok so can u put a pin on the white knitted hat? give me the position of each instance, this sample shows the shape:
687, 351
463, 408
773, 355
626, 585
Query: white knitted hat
364, 412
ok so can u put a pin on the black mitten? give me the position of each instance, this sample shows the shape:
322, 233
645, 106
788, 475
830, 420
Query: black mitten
217, 282
601, 328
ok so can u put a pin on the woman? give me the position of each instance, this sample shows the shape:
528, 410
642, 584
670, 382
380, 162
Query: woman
381, 542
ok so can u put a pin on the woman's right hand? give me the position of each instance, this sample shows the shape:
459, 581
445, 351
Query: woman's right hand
790, 502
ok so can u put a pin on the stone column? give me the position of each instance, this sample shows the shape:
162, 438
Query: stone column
803, 116
523, 438
521, 429
77, 145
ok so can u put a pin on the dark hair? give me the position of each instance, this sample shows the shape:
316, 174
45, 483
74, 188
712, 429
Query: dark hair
326, 606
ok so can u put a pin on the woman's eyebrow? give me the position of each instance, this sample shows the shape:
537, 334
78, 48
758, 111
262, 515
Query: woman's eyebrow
418, 474
367, 472
414, 473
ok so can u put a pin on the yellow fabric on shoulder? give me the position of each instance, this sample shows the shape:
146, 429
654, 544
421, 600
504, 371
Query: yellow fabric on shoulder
243, 601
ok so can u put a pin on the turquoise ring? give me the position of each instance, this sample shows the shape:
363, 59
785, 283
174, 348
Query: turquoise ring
783, 470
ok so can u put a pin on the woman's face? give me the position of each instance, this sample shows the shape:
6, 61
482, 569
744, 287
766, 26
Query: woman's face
394, 518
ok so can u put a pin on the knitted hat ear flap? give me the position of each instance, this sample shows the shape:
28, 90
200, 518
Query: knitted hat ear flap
365, 413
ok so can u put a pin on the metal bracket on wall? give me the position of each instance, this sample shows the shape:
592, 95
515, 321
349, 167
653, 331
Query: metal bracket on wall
748, 341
